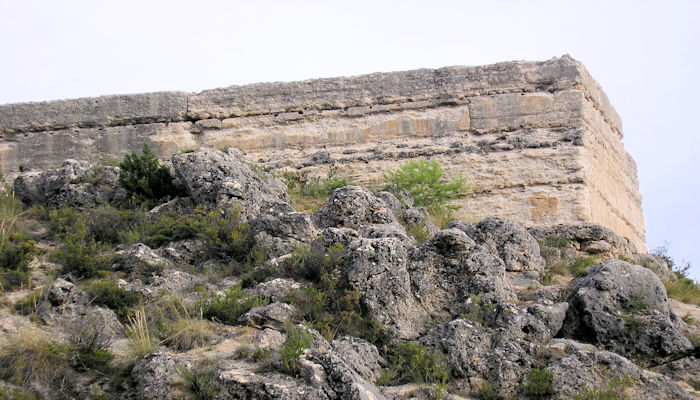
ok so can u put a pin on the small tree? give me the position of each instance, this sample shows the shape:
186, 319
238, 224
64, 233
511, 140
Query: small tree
423, 180
144, 178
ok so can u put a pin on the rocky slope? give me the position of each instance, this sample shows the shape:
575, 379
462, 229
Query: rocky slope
230, 293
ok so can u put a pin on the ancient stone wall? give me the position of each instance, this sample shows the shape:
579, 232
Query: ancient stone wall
539, 142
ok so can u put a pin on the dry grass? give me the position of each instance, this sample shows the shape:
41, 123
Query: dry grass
186, 332
29, 354
137, 330
682, 289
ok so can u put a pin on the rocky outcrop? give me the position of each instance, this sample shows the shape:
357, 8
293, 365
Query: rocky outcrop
75, 184
624, 308
225, 180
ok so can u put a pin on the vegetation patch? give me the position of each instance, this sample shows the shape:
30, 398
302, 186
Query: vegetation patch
310, 193
227, 307
409, 362
297, 340
539, 383
613, 390
145, 179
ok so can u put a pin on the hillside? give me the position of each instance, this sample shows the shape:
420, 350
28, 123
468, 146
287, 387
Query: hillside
229, 283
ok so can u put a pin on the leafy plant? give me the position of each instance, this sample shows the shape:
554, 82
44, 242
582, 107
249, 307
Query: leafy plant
539, 383
297, 340
201, 382
578, 267
81, 255
145, 179
109, 294
423, 180
228, 307
409, 362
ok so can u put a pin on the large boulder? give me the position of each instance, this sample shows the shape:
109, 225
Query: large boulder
583, 369
449, 269
587, 237
513, 244
352, 206
624, 308
378, 269
225, 179
74, 184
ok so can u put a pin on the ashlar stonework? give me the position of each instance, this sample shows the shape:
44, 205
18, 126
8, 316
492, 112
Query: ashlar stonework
539, 141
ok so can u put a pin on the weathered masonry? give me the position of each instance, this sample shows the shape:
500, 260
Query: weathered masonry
539, 141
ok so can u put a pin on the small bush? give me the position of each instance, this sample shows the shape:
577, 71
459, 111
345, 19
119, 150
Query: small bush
261, 355
682, 288
145, 179
182, 330
29, 303
578, 267
15, 254
90, 340
539, 383
201, 383
17, 393
297, 340
81, 256
613, 390
487, 392
479, 310
548, 279
414, 363
423, 180
228, 307
308, 194
110, 295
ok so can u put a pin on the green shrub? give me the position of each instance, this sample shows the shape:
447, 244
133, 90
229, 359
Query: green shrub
613, 390
478, 309
682, 288
308, 194
201, 383
423, 180
487, 392
539, 383
228, 307
145, 179
297, 340
89, 344
410, 362
578, 267
261, 355
224, 233
81, 256
17, 393
109, 294
15, 254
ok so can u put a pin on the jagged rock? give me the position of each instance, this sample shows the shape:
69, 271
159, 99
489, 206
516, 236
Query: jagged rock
361, 356
446, 270
337, 378
188, 251
377, 268
276, 289
73, 184
344, 236
178, 206
352, 206
241, 380
543, 321
139, 257
687, 369
271, 316
588, 236
173, 281
591, 368
465, 344
395, 230
282, 233
654, 263
513, 244
624, 308
224, 179
155, 375
269, 339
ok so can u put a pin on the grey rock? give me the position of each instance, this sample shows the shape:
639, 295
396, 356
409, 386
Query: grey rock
276, 289
375, 231
377, 268
686, 369
587, 233
340, 380
518, 249
156, 373
269, 339
241, 380
73, 184
352, 206
344, 236
654, 263
173, 281
188, 251
224, 180
361, 356
624, 308
139, 255
596, 247
294, 225
465, 344
591, 368
175, 207
271, 316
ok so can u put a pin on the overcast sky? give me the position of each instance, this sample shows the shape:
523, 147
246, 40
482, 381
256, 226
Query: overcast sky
645, 55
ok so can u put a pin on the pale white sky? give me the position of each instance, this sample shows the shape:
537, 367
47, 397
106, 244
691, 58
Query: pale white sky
645, 55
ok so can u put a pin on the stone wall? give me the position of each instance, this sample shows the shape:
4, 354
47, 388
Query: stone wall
539, 142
